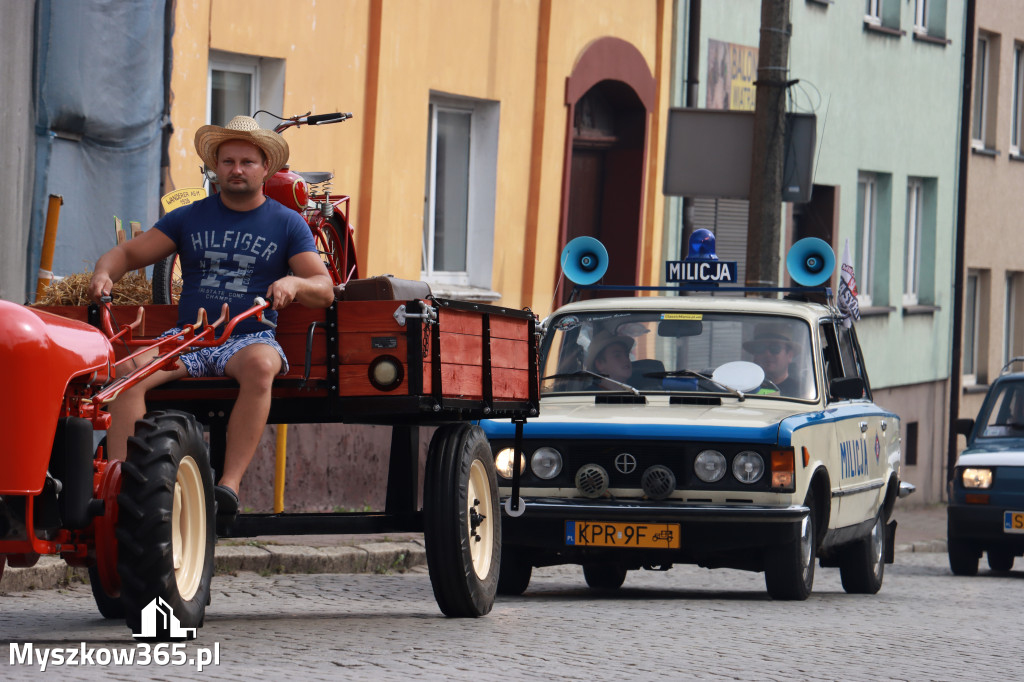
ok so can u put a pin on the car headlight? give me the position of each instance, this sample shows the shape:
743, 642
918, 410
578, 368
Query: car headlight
503, 462
977, 478
748, 467
546, 463
709, 466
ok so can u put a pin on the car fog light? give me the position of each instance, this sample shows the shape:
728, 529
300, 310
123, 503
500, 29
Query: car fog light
709, 466
592, 480
658, 482
385, 373
503, 462
977, 478
748, 467
546, 463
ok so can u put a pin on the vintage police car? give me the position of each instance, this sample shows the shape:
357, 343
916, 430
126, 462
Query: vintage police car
986, 501
711, 430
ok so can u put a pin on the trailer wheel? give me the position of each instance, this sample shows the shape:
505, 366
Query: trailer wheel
167, 280
165, 527
462, 526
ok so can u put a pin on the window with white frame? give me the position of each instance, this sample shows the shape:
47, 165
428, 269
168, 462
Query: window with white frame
240, 85
921, 16
459, 200
1013, 317
873, 12
984, 92
867, 210
970, 348
1017, 110
912, 241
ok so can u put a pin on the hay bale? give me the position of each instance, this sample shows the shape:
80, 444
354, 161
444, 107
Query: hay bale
133, 289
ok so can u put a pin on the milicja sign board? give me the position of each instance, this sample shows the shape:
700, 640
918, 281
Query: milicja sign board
709, 151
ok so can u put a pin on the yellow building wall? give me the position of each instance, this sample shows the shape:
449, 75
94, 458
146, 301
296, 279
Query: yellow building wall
380, 59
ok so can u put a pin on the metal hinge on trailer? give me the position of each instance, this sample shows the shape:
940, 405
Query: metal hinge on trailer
427, 313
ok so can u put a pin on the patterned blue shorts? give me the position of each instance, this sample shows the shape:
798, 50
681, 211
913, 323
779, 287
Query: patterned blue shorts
210, 362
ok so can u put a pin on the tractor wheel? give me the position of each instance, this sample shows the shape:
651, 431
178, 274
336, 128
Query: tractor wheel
515, 574
110, 607
462, 526
862, 565
604, 576
165, 527
789, 570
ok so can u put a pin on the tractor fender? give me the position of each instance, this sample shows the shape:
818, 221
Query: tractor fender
40, 355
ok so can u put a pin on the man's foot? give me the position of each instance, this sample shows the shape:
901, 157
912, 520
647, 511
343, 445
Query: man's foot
227, 508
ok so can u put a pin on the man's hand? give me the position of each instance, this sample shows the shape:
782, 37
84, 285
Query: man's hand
142, 250
310, 284
100, 285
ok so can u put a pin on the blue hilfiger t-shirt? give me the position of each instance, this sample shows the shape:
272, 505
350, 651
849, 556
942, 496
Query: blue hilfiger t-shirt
232, 257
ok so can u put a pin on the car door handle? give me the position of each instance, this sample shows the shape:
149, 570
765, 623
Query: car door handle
863, 427
885, 425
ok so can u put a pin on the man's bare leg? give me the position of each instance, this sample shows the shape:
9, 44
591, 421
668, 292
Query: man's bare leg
130, 406
254, 368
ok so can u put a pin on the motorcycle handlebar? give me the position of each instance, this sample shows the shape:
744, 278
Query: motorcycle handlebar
320, 119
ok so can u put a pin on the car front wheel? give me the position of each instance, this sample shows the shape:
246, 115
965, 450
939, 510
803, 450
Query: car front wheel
789, 570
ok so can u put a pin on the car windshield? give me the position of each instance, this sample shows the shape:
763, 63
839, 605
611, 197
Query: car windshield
1005, 411
674, 351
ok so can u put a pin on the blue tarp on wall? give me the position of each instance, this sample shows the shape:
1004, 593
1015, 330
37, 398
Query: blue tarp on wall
100, 111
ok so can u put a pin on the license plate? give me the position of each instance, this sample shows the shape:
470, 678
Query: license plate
629, 535
1013, 522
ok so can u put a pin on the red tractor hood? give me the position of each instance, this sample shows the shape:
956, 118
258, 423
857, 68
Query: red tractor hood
40, 354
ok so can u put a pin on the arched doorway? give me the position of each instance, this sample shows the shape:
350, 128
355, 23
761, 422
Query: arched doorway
610, 95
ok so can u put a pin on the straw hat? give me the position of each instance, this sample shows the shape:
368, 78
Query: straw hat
602, 341
245, 128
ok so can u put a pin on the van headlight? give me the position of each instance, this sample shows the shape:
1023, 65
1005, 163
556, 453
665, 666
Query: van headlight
546, 463
977, 478
503, 462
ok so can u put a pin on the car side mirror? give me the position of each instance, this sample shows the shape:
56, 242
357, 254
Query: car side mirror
964, 426
848, 388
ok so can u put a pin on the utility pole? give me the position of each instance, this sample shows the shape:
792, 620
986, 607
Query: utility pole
764, 229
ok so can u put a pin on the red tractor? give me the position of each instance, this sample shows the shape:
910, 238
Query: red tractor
145, 527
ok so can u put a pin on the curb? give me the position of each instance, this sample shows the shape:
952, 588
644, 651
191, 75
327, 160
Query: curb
51, 572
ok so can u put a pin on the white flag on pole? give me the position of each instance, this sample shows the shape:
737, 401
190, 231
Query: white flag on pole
848, 289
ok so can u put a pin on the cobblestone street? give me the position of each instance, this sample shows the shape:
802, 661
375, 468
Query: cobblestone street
686, 623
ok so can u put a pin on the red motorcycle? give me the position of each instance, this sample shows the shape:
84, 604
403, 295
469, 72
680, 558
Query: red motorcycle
310, 194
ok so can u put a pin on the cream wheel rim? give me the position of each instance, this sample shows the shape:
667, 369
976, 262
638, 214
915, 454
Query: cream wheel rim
480, 525
188, 528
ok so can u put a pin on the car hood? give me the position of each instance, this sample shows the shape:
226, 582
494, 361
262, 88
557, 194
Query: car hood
1009, 455
752, 420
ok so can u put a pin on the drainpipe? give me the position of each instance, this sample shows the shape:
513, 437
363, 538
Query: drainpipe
692, 92
956, 350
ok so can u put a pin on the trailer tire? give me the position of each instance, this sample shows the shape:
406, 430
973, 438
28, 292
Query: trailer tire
462, 525
515, 575
166, 520
167, 280
604, 576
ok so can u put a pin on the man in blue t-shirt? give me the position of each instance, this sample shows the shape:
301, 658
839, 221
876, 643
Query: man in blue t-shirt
232, 246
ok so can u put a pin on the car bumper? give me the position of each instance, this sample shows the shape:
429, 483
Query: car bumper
981, 526
712, 535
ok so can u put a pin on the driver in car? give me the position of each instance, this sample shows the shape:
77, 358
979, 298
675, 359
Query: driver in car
608, 355
773, 349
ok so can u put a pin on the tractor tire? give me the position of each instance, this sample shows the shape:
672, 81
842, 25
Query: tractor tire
604, 576
462, 522
515, 575
166, 521
789, 570
862, 566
